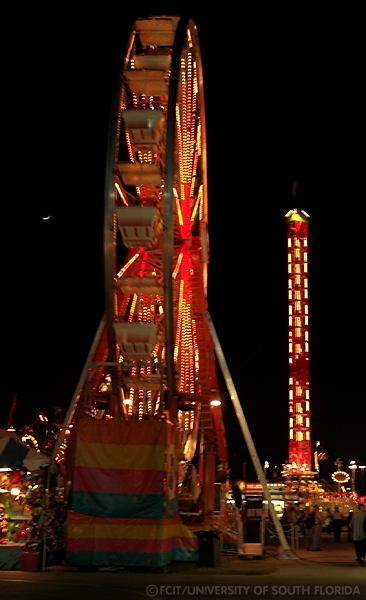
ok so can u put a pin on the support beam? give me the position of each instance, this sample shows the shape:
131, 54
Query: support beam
79, 388
286, 550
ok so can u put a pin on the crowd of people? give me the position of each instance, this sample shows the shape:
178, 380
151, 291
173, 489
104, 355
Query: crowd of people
310, 522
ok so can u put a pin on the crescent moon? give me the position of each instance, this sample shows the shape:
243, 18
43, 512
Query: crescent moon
46, 218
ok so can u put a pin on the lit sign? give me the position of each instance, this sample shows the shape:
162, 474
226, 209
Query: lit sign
340, 476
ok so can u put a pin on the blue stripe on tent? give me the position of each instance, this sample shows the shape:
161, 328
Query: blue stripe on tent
13, 454
118, 505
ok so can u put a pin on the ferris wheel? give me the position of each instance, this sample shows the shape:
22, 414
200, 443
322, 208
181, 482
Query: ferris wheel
153, 355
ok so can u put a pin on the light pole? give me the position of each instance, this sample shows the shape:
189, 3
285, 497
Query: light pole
352, 465
362, 467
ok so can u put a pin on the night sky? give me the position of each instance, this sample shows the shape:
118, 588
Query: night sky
297, 116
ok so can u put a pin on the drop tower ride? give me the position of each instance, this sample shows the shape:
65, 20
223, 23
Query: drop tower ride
300, 455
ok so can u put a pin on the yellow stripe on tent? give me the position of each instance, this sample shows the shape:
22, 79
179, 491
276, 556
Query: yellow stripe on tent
137, 532
117, 456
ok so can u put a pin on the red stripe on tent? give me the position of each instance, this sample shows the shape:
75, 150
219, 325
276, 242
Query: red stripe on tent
134, 545
120, 432
75, 518
118, 481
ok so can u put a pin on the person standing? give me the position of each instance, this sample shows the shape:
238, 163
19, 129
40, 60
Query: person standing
358, 529
337, 522
317, 529
309, 522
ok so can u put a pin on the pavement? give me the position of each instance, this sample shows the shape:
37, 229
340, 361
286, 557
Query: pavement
331, 555
329, 573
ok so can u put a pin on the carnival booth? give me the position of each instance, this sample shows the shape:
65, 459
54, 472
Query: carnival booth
22, 497
253, 517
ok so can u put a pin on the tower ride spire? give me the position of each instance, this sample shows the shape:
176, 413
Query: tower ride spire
300, 456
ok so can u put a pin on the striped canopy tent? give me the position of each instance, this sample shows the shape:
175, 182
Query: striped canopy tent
124, 509
14, 454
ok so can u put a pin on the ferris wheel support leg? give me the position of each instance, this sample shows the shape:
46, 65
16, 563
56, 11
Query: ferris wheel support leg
286, 550
76, 397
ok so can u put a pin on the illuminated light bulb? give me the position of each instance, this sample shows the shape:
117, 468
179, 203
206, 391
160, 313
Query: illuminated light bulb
215, 403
